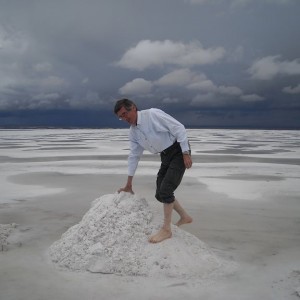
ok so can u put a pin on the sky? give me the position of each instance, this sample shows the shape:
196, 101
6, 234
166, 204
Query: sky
208, 63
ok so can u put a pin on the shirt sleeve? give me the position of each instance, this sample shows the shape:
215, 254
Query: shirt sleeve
165, 122
134, 156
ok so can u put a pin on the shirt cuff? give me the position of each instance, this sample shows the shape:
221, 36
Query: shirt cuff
185, 146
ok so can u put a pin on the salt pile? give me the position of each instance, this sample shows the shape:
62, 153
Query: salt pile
112, 238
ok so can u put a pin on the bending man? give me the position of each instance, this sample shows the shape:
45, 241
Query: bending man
154, 130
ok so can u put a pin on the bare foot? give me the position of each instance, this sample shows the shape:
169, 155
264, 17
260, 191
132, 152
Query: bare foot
163, 234
185, 220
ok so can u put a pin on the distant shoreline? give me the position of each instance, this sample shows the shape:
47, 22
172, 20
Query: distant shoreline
97, 128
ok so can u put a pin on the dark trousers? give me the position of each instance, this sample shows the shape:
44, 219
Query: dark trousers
170, 173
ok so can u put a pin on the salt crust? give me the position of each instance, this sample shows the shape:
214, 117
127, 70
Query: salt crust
5, 232
112, 238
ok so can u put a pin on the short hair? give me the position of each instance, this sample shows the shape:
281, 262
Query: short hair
124, 103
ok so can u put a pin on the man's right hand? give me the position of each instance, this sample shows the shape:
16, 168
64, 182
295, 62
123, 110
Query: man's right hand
128, 186
127, 189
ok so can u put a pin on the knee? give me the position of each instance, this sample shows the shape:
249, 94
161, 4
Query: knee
168, 199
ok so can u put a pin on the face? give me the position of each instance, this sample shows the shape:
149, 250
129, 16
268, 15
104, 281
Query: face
130, 116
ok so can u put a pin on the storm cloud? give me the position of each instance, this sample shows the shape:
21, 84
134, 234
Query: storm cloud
218, 63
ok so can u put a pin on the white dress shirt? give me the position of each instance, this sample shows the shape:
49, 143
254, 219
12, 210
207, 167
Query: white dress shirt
155, 131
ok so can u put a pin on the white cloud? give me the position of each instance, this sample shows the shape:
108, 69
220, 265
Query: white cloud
205, 88
197, 82
202, 85
188, 79
268, 67
158, 53
138, 86
230, 90
180, 77
292, 90
221, 97
252, 98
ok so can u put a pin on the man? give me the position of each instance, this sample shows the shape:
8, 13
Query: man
158, 132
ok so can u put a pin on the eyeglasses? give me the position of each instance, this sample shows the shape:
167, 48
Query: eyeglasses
124, 115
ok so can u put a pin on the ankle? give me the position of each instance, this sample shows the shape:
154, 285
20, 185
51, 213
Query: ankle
166, 227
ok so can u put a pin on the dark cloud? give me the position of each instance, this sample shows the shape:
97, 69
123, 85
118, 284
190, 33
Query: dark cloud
210, 63
59, 118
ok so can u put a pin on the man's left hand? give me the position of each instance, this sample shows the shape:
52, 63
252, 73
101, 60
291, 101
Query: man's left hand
187, 161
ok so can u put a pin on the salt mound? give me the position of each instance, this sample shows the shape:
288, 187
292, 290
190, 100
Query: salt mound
112, 237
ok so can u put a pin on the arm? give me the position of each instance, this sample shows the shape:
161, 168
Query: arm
136, 152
